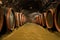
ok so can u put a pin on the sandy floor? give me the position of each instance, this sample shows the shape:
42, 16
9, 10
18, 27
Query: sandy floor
32, 31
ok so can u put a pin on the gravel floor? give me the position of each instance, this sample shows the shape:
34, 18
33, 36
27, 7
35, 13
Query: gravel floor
31, 31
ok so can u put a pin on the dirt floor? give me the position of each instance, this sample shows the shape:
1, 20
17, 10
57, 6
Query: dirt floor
31, 31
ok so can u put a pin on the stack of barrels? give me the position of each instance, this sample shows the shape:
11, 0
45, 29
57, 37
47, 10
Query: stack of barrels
50, 18
13, 19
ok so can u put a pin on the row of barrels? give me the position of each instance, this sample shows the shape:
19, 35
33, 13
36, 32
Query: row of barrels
50, 18
12, 19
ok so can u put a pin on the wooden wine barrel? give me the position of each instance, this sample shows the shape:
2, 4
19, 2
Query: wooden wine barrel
22, 18
17, 19
57, 18
49, 18
10, 20
42, 19
1, 18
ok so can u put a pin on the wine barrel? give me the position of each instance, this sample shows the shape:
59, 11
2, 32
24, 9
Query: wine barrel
17, 19
22, 18
1, 18
42, 19
57, 18
49, 18
10, 20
